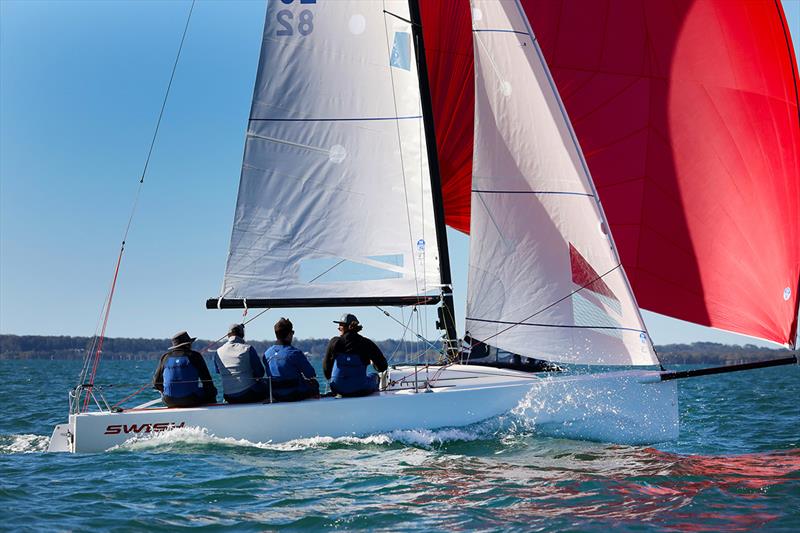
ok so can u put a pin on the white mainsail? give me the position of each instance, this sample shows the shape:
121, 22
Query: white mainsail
335, 196
544, 278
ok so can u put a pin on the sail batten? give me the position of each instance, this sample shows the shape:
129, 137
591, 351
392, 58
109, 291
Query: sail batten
544, 279
554, 326
332, 119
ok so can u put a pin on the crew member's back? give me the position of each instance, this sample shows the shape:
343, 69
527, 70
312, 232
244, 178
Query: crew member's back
182, 375
291, 375
347, 358
241, 369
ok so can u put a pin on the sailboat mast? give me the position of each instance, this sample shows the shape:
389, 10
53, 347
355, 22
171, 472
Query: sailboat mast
447, 310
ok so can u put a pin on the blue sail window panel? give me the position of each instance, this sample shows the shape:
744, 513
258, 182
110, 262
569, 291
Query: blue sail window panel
401, 51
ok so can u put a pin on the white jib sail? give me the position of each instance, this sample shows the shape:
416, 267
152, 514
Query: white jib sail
544, 278
334, 197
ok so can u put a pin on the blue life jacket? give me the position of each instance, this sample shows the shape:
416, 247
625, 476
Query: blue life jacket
180, 377
286, 379
349, 376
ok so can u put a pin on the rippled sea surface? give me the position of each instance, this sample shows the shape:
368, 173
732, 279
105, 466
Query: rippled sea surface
736, 467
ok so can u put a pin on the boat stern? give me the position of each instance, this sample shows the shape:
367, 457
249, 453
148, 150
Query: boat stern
62, 438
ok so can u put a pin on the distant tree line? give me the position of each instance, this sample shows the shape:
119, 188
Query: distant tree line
715, 353
62, 347
51, 347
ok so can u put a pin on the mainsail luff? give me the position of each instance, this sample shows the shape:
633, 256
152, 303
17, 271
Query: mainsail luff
335, 198
544, 279
447, 320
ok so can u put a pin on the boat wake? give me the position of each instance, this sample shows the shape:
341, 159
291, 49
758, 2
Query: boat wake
620, 407
181, 439
23, 444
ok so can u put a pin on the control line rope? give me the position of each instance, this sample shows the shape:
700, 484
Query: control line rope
99, 345
406, 327
545, 308
417, 335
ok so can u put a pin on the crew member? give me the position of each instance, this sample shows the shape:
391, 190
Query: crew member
347, 358
182, 375
241, 369
291, 376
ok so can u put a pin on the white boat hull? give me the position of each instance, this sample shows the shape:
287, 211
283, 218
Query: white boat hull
632, 407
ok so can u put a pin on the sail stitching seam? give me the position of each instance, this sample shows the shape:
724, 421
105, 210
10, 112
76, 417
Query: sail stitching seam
534, 192
573, 326
289, 143
332, 119
495, 30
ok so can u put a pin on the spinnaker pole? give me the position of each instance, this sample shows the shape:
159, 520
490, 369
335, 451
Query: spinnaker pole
681, 374
447, 316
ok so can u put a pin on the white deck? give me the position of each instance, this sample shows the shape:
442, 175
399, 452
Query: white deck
632, 407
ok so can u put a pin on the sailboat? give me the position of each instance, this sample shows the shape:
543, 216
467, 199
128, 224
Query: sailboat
340, 204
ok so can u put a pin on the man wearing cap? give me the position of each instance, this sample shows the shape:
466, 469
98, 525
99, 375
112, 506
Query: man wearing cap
292, 377
241, 369
178, 374
347, 358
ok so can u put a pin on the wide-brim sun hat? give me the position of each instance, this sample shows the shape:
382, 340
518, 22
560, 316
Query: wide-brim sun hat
181, 339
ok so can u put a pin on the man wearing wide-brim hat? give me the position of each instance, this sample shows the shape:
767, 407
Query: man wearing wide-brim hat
182, 375
347, 358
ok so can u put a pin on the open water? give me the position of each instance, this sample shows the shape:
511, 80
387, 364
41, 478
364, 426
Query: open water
736, 467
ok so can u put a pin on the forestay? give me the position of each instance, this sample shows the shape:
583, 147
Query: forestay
334, 197
544, 278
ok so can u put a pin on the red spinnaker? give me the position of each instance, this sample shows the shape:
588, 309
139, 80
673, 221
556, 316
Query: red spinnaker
687, 113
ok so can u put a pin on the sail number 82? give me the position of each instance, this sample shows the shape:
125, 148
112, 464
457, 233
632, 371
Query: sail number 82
305, 22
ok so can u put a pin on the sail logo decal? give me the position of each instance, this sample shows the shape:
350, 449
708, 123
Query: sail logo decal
117, 429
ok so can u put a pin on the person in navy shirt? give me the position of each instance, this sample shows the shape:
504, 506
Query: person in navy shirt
292, 376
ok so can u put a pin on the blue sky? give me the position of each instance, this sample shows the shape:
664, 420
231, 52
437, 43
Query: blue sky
81, 84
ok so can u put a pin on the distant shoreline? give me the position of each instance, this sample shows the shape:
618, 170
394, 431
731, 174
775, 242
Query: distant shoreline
38, 347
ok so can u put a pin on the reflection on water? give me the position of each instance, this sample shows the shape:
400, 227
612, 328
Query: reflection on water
564, 479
